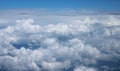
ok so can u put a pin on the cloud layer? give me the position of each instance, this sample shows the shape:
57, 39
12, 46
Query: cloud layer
73, 43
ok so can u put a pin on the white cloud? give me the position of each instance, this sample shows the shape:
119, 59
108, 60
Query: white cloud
79, 43
83, 68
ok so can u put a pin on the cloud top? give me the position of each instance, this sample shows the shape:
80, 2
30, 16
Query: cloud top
73, 43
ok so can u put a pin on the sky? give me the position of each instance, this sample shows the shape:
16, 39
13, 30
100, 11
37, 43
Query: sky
56, 39
61, 4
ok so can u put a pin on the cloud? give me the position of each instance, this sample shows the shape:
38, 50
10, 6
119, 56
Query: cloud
73, 43
83, 68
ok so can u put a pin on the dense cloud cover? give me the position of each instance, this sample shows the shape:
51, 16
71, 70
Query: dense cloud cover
75, 43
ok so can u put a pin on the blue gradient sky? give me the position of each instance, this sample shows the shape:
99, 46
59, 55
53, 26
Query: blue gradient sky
61, 4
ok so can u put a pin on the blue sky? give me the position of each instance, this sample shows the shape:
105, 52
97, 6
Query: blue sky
61, 4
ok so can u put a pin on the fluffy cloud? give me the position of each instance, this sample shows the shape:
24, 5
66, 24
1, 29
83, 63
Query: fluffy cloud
83, 68
75, 43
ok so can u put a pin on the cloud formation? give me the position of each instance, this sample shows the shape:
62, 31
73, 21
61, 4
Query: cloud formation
77, 43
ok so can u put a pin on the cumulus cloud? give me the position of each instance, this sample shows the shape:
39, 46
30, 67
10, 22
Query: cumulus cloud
83, 68
75, 43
